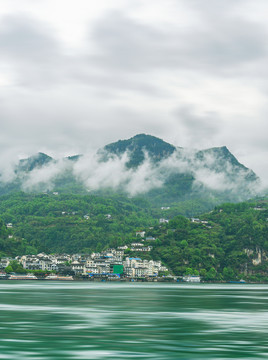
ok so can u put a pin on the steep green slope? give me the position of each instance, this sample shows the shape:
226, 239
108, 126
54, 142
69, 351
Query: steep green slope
228, 243
11, 245
73, 223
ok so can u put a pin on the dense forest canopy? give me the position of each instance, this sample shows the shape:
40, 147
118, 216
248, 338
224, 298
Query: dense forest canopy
73, 223
229, 242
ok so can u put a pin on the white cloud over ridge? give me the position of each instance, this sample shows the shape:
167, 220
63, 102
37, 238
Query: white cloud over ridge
113, 173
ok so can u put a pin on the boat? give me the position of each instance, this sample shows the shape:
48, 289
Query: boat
191, 278
59, 277
3, 276
22, 277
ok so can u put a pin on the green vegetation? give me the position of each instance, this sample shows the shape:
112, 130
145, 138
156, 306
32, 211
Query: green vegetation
183, 188
229, 243
70, 223
10, 245
137, 145
15, 267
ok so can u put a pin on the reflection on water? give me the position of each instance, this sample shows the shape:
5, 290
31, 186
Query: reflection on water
132, 321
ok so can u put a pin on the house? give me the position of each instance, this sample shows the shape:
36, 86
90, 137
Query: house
136, 244
4, 262
140, 272
77, 267
147, 248
195, 220
122, 247
150, 238
120, 253
163, 221
91, 270
140, 233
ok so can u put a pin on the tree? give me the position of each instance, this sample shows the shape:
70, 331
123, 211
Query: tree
9, 269
211, 274
228, 274
184, 244
189, 271
203, 272
15, 266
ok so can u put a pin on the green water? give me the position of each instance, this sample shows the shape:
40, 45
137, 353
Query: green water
59, 320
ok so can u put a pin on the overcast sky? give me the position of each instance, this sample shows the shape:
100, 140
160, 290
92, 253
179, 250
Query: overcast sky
76, 75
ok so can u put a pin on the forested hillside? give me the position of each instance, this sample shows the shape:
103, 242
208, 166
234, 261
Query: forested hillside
11, 245
71, 223
230, 242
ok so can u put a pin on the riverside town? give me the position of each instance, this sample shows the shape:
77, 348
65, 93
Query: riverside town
111, 264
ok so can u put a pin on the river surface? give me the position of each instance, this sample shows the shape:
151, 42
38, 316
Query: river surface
85, 320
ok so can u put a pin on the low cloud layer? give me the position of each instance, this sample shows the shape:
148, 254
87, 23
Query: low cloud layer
94, 174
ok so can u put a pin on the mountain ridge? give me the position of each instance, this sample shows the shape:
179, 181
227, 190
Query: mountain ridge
140, 143
143, 164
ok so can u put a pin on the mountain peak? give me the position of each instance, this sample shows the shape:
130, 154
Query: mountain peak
35, 161
138, 145
220, 154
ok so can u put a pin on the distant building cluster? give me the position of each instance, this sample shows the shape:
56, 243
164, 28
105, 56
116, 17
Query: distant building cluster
110, 261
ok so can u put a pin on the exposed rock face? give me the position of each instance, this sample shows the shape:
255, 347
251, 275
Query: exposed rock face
258, 259
260, 256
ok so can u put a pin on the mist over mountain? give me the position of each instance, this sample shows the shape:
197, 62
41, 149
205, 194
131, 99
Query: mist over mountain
137, 147
142, 165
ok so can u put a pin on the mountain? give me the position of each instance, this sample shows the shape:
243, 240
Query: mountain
192, 181
33, 162
222, 158
212, 175
138, 146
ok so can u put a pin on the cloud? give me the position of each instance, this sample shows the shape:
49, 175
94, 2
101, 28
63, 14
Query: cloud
210, 171
43, 179
222, 43
188, 71
8, 161
114, 174
33, 53
197, 127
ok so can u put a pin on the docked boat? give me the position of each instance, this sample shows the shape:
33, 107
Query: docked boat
58, 277
3, 276
22, 277
191, 278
